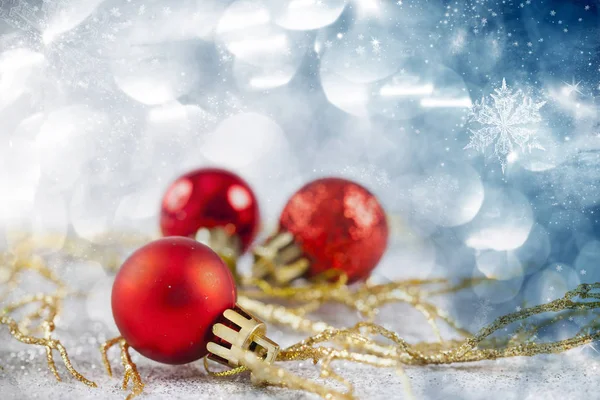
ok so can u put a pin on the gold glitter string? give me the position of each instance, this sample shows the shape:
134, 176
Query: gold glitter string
48, 306
229, 372
365, 343
359, 347
130, 369
366, 298
356, 344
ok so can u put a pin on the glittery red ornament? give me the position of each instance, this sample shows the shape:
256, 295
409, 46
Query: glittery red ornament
209, 198
338, 224
168, 295
330, 223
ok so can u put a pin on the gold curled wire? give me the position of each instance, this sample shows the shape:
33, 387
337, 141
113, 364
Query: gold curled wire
365, 343
130, 369
229, 372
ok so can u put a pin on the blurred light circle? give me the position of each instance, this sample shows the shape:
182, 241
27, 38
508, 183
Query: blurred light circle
411, 24
159, 22
156, 74
412, 257
536, 249
503, 222
20, 70
499, 291
550, 284
420, 87
339, 150
253, 78
348, 96
500, 265
91, 210
245, 139
83, 275
587, 263
96, 302
454, 258
306, 14
246, 29
65, 142
18, 189
364, 54
448, 195
142, 204
63, 16
177, 122
49, 220
171, 133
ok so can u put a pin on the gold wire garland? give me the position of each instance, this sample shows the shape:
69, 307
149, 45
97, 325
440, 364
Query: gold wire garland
358, 345
131, 371
47, 307
365, 343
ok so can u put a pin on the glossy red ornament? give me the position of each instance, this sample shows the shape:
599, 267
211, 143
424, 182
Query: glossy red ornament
209, 198
339, 225
168, 295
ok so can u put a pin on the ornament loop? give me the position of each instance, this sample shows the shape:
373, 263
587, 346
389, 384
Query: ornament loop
239, 333
279, 260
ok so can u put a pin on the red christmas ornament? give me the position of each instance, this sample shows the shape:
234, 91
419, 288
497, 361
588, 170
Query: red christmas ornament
330, 223
173, 300
210, 198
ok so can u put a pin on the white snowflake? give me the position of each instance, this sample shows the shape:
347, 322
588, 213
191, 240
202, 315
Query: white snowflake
559, 268
508, 121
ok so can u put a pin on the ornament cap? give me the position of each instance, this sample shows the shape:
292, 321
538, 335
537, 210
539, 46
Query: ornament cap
279, 260
227, 245
240, 332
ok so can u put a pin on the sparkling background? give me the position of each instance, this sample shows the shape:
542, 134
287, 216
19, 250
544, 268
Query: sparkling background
103, 103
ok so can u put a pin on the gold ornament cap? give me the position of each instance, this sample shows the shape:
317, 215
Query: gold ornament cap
227, 246
239, 333
279, 260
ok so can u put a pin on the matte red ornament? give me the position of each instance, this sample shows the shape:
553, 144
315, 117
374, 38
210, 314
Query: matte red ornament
335, 224
168, 295
210, 198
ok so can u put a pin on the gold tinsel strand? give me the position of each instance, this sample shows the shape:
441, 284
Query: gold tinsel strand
129, 367
48, 307
365, 343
